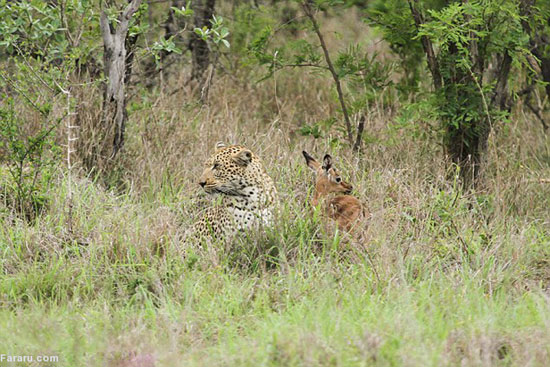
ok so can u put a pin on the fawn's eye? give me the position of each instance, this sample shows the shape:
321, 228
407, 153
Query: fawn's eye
338, 180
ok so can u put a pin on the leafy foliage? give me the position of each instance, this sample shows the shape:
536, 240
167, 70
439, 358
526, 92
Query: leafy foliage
471, 49
30, 161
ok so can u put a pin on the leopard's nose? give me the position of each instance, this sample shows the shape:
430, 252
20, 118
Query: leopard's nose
202, 183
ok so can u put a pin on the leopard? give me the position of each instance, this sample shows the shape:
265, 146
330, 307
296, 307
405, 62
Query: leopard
247, 196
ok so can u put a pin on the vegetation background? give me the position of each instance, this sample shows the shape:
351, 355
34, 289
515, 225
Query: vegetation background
434, 110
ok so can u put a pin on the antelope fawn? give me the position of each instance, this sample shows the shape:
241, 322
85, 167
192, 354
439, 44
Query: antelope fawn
344, 209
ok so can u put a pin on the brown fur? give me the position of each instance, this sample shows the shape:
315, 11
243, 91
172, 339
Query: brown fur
344, 209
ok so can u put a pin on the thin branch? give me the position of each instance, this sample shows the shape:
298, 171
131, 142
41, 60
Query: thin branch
359, 139
122, 28
65, 23
304, 65
483, 99
309, 12
283, 25
31, 68
537, 113
12, 84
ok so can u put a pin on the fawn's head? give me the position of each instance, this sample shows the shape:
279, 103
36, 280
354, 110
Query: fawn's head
328, 179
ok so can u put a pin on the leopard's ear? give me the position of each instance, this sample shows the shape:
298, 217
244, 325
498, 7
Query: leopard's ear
243, 158
220, 145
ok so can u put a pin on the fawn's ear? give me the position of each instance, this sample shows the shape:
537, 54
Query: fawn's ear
243, 158
220, 145
310, 161
327, 162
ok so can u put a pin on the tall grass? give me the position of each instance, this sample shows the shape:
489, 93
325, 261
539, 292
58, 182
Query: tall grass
437, 276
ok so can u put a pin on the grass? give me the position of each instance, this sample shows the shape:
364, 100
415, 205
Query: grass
334, 314
439, 277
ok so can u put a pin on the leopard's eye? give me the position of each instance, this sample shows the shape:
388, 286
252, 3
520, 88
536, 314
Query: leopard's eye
216, 166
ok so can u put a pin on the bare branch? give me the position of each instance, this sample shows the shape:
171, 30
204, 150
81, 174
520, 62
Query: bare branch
105, 29
360, 129
537, 113
311, 16
127, 15
305, 65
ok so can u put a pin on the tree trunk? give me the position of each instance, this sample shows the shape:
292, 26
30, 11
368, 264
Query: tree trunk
465, 109
116, 59
466, 146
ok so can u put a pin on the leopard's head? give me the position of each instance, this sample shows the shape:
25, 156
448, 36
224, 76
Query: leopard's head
230, 170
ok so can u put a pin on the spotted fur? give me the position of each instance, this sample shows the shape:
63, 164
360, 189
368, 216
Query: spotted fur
248, 195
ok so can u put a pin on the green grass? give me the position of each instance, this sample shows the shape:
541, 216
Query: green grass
433, 283
325, 317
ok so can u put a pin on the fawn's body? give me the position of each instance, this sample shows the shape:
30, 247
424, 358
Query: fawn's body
342, 207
